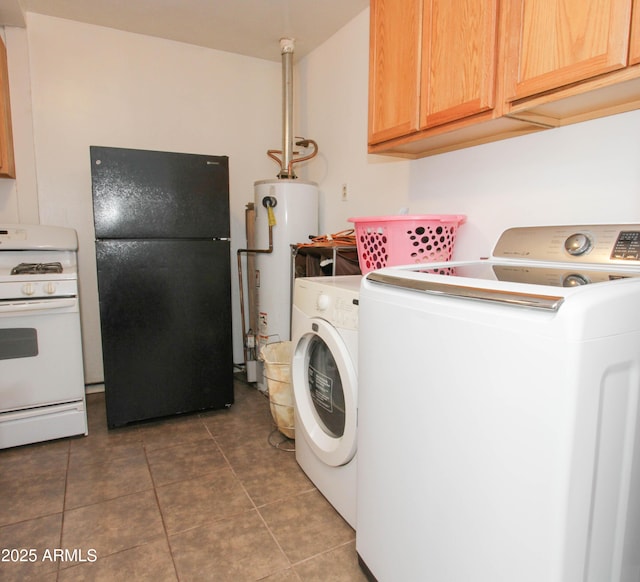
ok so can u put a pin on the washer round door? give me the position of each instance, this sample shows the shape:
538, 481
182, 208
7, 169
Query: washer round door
325, 389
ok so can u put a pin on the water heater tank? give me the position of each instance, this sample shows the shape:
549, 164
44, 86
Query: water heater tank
295, 207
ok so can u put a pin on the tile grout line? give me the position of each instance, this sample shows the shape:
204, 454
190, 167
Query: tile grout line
164, 524
310, 489
253, 503
324, 552
64, 503
235, 469
153, 487
257, 508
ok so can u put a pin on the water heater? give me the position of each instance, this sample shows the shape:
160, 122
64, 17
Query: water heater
295, 210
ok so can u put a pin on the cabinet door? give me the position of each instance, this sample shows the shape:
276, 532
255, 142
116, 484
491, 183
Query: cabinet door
394, 68
634, 44
7, 164
559, 42
459, 59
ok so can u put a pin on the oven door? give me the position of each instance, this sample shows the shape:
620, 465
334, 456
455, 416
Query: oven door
40, 353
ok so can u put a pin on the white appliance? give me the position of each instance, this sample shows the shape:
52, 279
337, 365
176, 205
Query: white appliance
294, 206
498, 435
325, 385
41, 374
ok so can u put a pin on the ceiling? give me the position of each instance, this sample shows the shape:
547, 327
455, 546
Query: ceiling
247, 27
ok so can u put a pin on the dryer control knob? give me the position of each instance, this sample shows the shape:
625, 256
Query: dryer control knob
578, 244
323, 302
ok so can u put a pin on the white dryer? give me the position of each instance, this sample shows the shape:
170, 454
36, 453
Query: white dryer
324, 336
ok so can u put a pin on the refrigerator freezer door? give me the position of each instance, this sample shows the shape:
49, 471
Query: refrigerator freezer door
149, 194
165, 311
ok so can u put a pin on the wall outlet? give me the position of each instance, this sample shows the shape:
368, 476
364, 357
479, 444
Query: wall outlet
345, 193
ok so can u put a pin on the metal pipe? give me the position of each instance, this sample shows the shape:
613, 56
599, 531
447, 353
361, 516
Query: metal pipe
250, 222
241, 285
305, 143
286, 50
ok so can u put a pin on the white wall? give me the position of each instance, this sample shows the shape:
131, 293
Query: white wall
19, 197
589, 172
97, 86
333, 111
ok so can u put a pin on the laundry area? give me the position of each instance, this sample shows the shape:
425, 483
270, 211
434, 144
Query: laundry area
324, 293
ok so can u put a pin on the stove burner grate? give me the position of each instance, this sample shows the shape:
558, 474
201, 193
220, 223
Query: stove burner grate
36, 268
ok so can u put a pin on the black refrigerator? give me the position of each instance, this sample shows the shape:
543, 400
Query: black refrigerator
164, 281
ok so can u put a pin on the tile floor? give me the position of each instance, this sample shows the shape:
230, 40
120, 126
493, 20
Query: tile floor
200, 497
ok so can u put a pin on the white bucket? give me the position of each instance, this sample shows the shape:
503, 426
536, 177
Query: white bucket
277, 371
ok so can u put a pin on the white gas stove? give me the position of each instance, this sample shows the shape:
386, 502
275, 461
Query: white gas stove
41, 371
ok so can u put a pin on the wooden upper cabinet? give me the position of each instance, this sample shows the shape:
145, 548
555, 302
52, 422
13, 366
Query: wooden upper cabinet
634, 43
447, 74
7, 165
431, 62
554, 43
459, 58
394, 68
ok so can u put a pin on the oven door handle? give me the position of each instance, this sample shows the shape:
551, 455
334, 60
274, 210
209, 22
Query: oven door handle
45, 305
516, 298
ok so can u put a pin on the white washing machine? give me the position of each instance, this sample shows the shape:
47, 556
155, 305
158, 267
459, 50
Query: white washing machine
499, 432
324, 336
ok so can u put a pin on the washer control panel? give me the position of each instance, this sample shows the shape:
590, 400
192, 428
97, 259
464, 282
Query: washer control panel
335, 299
594, 243
339, 307
627, 247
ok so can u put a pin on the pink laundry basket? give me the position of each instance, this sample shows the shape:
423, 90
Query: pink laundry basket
386, 241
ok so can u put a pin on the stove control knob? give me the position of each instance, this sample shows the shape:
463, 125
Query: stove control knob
323, 302
50, 288
28, 289
578, 244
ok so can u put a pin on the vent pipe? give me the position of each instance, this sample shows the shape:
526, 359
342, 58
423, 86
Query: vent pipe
285, 157
286, 50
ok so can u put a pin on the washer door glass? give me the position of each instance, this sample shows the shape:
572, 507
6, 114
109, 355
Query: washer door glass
325, 387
